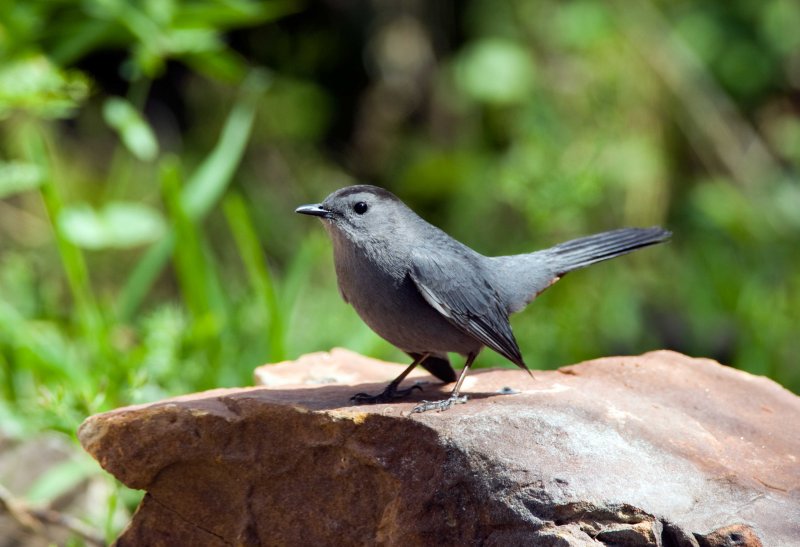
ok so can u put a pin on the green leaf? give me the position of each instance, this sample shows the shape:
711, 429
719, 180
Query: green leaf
135, 132
582, 23
117, 225
234, 13
36, 85
246, 237
183, 41
61, 479
209, 181
88, 313
18, 176
191, 266
204, 187
223, 64
496, 71
780, 21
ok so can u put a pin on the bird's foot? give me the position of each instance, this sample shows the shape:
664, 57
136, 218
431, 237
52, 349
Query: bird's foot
388, 395
440, 405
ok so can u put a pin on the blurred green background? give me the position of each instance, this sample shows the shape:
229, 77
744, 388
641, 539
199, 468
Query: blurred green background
152, 153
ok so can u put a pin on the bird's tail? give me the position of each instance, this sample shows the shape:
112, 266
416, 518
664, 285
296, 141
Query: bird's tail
521, 278
582, 252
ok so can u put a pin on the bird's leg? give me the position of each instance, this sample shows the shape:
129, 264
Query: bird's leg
391, 393
454, 398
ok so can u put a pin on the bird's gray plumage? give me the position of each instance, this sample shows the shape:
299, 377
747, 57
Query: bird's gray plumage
521, 278
429, 294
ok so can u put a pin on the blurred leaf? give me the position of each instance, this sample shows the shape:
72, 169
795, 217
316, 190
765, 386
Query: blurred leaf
780, 20
295, 109
632, 161
60, 479
582, 23
432, 175
198, 279
36, 85
134, 131
88, 313
209, 181
161, 11
14, 423
156, 31
18, 284
495, 71
744, 68
260, 277
116, 225
195, 40
785, 136
785, 201
233, 13
74, 39
162, 335
17, 176
40, 346
298, 272
703, 32
222, 64
190, 264
203, 189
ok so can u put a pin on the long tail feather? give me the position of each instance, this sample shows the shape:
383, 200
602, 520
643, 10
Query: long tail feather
585, 251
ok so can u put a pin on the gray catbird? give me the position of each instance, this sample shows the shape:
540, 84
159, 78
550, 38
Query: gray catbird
429, 294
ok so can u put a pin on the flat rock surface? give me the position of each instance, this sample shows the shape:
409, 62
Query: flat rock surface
657, 449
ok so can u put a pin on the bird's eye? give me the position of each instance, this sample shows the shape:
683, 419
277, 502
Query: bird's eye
360, 207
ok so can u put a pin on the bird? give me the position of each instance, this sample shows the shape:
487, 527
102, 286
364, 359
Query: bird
429, 294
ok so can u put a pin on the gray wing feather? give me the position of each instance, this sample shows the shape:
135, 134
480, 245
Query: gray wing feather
456, 288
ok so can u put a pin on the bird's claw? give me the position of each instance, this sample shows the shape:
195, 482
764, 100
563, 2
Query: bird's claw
442, 405
388, 395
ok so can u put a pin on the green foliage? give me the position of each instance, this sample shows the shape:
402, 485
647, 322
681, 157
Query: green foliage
17, 177
495, 71
134, 132
202, 190
152, 152
262, 281
117, 225
33, 83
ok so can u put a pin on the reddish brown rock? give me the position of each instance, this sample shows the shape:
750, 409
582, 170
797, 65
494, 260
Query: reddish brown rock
659, 449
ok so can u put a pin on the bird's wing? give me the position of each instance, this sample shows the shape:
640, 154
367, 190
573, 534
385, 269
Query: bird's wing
456, 288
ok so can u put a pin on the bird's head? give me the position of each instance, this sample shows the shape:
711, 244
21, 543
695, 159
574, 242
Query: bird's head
360, 213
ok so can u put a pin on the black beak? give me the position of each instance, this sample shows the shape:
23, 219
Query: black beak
315, 210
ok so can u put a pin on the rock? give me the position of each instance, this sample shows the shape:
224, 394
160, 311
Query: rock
659, 449
340, 366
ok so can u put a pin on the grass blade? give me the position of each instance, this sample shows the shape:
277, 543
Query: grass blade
203, 190
72, 258
261, 279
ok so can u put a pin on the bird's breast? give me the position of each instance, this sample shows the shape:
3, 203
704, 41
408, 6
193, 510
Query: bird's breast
386, 298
